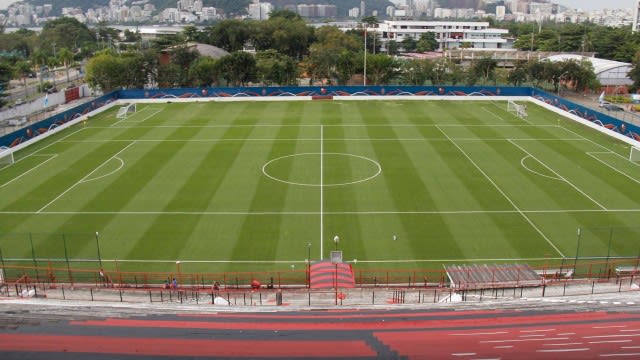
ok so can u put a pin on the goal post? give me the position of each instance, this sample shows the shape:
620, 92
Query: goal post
125, 110
519, 110
6, 156
634, 154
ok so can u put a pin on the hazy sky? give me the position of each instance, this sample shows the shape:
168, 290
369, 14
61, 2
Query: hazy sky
584, 4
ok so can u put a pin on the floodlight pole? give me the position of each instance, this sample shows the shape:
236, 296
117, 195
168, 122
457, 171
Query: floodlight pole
33, 257
309, 265
98, 247
66, 258
609, 250
575, 261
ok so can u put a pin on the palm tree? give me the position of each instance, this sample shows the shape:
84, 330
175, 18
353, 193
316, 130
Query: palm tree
22, 70
66, 57
39, 59
53, 62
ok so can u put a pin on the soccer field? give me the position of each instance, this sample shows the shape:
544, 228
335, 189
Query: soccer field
247, 186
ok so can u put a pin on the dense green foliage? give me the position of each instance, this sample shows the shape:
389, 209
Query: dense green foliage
614, 43
220, 181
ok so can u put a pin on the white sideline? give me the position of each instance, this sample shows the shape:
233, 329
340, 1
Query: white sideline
341, 98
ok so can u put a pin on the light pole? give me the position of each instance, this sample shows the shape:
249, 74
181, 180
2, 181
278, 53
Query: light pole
336, 240
575, 262
98, 247
309, 264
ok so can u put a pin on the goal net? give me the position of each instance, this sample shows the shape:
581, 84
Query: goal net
6, 156
634, 155
125, 110
517, 109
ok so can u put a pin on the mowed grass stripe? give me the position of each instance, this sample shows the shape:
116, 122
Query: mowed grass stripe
174, 233
449, 192
498, 164
608, 187
75, 161
260, 237
121, 189
355, 230
408, 191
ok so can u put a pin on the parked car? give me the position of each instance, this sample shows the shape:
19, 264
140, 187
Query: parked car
612, 107
19, 102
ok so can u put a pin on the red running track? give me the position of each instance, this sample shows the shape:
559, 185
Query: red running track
347, 334
183, 347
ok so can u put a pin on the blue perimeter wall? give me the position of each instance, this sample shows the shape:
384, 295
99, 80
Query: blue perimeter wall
33, 130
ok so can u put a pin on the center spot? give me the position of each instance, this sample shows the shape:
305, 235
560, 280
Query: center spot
326, 169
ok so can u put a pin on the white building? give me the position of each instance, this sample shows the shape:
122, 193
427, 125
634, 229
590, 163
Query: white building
608, 72
449, 34
501, 11
260, 10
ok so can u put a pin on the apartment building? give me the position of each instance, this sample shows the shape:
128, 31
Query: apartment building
449, 34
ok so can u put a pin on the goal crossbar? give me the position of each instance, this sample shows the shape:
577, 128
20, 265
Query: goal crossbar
125, 110
634, 154
6, 156
517, 109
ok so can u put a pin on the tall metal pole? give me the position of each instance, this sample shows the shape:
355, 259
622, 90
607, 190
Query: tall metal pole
575, 262
66, 258
33, 256
609, 249
98, 247
309, 264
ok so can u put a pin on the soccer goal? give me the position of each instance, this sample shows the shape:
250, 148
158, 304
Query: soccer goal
634, 155
125, 110
6, 156
517, 109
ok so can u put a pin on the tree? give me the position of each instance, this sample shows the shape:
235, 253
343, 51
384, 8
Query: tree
392, 47
104, 71
347, 65
66, 32
66, 58
535, 70
634, 74
230, 35
22, 70
183, 57
416, 72
275, 68
203, 71
381, 68
39, 60
52, 62
484, 68
285, 33
5, 77
323, 62
518, 74
409, 44
238, 68
427, 42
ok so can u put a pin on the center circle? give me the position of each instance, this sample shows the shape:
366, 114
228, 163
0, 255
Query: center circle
321, 169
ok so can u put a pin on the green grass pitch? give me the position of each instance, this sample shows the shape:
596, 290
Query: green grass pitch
246, 186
